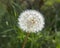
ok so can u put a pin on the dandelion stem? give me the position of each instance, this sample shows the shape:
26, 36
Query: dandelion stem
25, 40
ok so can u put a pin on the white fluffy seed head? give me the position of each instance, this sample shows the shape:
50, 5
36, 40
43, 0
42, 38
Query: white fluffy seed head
31, 21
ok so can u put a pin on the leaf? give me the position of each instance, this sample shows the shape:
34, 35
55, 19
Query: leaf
2, 9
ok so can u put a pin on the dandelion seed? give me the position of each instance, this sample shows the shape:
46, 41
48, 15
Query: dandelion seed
31, 21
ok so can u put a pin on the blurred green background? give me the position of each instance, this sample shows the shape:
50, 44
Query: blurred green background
12, 37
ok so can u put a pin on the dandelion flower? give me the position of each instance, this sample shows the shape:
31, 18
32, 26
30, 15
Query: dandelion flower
31, 21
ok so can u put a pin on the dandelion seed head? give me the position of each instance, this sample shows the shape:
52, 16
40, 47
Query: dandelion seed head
31, 21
